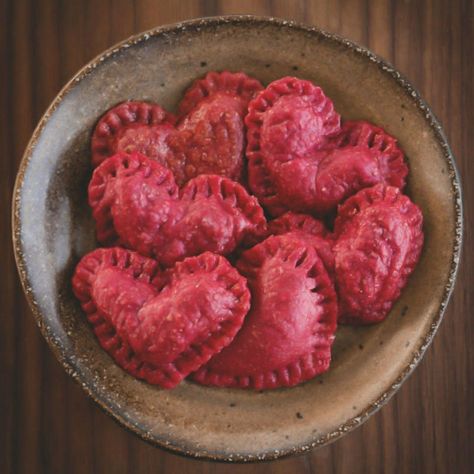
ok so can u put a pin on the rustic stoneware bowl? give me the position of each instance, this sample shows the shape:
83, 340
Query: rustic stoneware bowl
53, 228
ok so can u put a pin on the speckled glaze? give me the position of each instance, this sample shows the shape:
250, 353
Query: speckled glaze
53, 228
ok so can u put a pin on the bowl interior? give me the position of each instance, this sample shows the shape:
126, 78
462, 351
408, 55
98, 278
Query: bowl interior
54, 228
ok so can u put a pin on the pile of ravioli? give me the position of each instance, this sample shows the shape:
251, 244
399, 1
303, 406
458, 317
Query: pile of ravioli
236, 235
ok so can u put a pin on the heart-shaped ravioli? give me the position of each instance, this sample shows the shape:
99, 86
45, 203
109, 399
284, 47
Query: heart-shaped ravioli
207, 137
160, 326
300, 159
136, 203
379, 239
291, 118
287, 336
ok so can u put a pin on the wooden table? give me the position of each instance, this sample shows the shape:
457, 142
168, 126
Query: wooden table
48, 425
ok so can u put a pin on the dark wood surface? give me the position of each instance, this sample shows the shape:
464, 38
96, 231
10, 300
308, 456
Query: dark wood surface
48, 425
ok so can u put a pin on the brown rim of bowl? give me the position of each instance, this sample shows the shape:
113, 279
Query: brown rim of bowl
65, 358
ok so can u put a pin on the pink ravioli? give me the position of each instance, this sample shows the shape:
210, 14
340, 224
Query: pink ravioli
235, 84
298, 222
207, 138
136, 203
300, 159
379, 239
287, 336
312, 230
160, 326
385, 147
289, 119
163, 300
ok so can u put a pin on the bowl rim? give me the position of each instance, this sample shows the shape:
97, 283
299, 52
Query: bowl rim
64, 356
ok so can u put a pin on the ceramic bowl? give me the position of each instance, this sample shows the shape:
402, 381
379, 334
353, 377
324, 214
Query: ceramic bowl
53, 228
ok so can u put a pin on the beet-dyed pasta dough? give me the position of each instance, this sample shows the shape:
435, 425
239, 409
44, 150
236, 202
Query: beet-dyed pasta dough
208, 137
390, 157
301, 160
102, 189
165, 194
292, 221
131, 126
379, 239
287, 336
160, 326
136, 202
209, 140
309, 228
234, 84
320, 182
289, 119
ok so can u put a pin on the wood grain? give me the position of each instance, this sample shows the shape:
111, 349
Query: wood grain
47, 423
